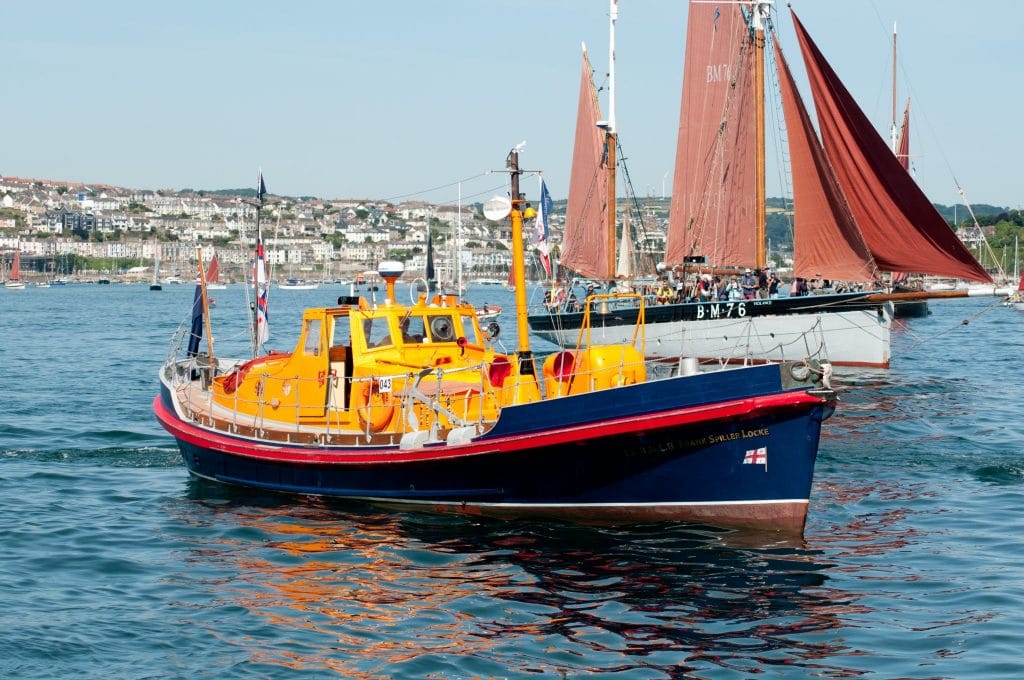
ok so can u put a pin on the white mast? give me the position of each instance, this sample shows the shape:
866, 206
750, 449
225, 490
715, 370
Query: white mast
1016, 259
458, 255
894, 134
613, 16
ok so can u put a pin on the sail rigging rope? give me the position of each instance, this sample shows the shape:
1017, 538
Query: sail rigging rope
998, 303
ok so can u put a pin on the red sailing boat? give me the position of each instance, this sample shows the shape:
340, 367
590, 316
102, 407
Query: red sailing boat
857, 211
585, 247
213, 275
1017, 299
901, 283
14, 281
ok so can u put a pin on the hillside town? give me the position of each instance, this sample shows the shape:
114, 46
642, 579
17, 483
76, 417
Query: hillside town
87, 232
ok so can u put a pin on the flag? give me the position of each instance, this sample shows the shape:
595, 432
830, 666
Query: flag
261, 188
196, 332
540, 235
756, 457
262, 318
262, 325
261, 264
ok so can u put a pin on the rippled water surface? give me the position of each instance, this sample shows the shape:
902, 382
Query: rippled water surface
117, 564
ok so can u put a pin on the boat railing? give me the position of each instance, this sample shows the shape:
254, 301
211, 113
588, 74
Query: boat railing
424, 399
600, 303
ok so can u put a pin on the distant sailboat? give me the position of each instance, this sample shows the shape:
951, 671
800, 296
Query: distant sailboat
292, 283
213, 275
14, 281
1018, 298
155, 283
298, 284
900, 133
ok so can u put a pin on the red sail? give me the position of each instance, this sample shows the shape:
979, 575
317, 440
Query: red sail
713, 190
826, 240
15, 273
213, 271
903, 143
584, 244
901, 227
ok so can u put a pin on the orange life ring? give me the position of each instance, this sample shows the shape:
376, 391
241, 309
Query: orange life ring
377, 407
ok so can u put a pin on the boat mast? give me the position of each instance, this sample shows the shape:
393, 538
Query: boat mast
610, 137
458, 248
759, 12
206, 305
256, 284
526, 367
256, 269
893, 133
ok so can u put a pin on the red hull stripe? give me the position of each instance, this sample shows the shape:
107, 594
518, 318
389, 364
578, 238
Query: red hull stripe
210, 439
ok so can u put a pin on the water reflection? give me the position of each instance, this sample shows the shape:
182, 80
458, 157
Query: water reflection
361, 593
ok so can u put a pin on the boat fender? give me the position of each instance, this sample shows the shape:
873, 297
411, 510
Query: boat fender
800, 372
378, 407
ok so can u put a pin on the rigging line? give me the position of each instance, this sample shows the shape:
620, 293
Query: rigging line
634, 203
390, 199
485, 191
965, 322
780, 134
981, 232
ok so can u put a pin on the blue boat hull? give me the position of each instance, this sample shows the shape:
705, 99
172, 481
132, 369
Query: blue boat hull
652, 453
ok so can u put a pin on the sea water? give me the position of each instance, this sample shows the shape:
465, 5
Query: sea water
116, 563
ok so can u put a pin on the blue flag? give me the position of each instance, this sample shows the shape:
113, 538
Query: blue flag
540, 235
196, 333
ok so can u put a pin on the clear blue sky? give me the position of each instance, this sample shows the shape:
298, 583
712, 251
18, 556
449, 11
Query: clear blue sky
386, 99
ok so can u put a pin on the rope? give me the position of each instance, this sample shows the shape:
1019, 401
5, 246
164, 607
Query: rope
965, 322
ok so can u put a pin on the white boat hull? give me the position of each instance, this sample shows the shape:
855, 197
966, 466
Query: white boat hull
849, 338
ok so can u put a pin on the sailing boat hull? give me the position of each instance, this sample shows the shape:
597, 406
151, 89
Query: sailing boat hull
909, 309
673, 449
845, 329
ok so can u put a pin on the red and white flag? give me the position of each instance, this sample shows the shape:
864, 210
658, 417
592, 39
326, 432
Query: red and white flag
756, 457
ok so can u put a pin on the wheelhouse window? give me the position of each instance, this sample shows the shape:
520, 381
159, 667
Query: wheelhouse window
469, 328
413, 330
339, 331
377, 332
311, 346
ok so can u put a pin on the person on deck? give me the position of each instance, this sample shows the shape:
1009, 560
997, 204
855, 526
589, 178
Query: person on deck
665, 293
725, 287
704, 288
749, 285
734, 290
